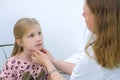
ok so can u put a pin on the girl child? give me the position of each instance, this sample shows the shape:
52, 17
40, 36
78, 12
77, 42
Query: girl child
19, 66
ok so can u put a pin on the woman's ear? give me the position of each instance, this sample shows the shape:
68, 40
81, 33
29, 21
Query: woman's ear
19, 42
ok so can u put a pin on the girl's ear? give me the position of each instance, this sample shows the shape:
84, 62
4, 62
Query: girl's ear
19, 42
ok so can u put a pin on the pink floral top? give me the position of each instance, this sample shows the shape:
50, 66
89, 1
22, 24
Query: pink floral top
17, 69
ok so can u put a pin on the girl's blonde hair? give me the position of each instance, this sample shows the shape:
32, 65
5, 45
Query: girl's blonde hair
20, 29
107, 25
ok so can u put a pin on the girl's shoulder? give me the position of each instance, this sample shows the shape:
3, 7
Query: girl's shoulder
12, 60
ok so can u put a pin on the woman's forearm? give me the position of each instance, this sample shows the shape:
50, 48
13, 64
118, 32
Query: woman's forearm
66, 67
53, 73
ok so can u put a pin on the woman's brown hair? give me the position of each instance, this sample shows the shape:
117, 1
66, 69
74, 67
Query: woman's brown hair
106, 46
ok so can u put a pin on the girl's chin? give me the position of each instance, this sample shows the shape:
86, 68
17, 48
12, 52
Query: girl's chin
40, 48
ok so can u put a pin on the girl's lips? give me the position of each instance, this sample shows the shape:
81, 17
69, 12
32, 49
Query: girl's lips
39, 45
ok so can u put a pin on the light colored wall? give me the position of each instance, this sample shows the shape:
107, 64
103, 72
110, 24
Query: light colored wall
61, 20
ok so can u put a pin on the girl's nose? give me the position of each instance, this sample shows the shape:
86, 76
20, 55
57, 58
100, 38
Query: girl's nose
38, 38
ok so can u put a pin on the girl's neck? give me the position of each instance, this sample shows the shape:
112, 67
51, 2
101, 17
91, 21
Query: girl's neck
25, 56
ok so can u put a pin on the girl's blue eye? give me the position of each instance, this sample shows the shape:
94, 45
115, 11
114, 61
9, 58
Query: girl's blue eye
31, 35
39, 33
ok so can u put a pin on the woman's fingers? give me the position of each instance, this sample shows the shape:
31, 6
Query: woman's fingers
39, 57
34, 53
33, 58
44, 51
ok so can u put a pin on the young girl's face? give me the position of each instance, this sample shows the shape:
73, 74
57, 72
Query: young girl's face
33, 39
89, 17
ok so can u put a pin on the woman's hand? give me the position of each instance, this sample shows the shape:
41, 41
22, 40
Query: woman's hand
49, 55
39, 57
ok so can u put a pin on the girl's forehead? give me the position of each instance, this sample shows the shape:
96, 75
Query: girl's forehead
33, 28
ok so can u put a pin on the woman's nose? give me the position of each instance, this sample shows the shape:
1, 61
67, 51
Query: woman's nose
83, 14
